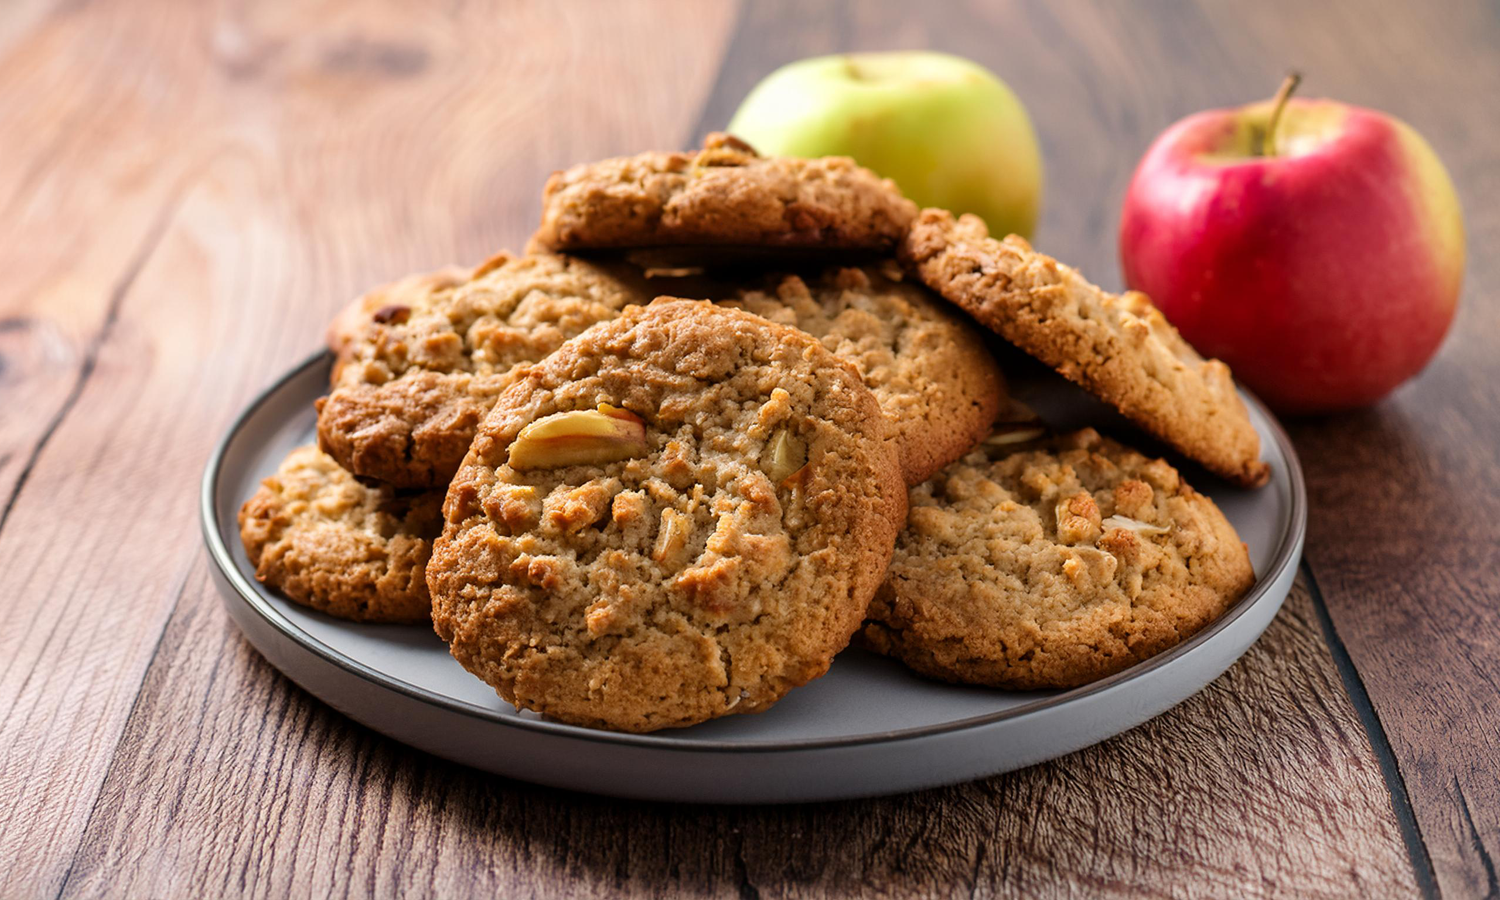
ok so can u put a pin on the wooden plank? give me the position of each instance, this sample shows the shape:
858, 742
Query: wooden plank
272, 794
67, 266
1403, 495
66, 672
232, 781
256, 169
258, 165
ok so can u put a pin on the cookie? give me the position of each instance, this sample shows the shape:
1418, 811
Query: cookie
927, 366
320, 537
411, 388
1119, 347
386, 302
679, 515
725, 195
1059, 562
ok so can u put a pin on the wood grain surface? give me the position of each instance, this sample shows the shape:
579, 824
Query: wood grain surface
1405, 496
188, 190
231, 781
189, 193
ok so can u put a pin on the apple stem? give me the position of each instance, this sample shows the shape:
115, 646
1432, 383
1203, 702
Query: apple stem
1278, 103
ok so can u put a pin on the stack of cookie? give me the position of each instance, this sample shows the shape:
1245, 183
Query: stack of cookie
729, 413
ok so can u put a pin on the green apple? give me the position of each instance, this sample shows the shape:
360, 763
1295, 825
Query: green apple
945, 129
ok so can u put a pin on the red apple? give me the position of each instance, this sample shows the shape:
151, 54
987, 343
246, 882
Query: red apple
1316, 247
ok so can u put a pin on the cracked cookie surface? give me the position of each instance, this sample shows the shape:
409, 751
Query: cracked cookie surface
1117, 346
926, 364
419, 366
725, 195
383, 304
722, 555
326, 541
1060, 562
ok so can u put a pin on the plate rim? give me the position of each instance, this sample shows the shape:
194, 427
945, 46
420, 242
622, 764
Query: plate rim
1286, 555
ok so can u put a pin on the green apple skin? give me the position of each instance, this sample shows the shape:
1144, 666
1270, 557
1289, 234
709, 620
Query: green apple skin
945, 129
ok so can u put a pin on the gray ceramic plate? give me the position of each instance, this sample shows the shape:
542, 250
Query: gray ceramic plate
868, 727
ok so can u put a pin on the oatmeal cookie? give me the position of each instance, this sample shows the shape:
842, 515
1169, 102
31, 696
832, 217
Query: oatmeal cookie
723, 195
1118, 347
1060, 562
679, 515
412, 387
927, 366
326, 541
384, 303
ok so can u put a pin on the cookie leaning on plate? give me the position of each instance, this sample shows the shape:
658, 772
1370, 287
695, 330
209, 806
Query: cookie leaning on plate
1060, 562
326, 541
679, 515
1119, 347
411, 385
723, 195
926, 364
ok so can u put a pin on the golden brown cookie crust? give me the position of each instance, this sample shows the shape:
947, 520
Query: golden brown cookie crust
1118, 347
1061, 562
411, 387
383, 304
683, 584
927, 366
326, 541
726, 195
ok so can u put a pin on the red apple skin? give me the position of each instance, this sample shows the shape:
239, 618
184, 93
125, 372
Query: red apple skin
1324, 276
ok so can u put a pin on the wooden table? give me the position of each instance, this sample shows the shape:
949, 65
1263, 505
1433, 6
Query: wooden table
190, 189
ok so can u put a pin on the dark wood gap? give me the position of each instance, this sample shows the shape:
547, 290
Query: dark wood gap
117, 295
1390, 769
135, 702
